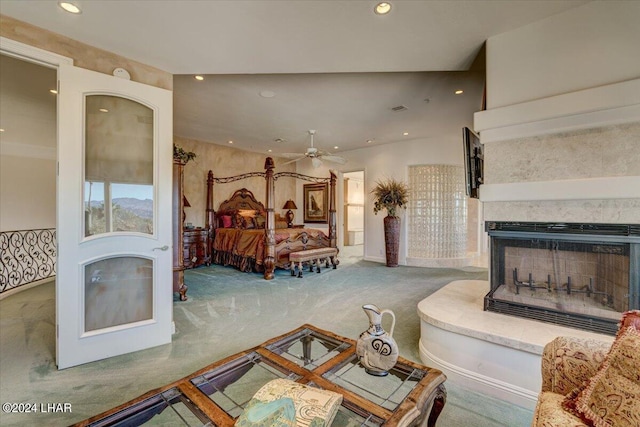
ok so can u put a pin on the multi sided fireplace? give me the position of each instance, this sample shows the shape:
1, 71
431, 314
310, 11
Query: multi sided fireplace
576, 275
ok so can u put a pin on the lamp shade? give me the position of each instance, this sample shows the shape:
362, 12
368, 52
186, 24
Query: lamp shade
290, 205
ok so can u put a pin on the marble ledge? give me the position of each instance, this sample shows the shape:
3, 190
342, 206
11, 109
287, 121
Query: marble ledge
459, 308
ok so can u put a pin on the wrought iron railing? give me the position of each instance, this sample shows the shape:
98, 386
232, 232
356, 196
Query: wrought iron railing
27, 256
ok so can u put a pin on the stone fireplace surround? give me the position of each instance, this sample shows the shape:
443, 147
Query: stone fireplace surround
570, 158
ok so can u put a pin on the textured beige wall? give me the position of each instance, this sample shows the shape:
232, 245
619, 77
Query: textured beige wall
608, 151
83, 55
620, 211
601, 152
226, 161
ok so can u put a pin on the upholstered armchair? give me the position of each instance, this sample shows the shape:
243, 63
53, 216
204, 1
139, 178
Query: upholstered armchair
567, 363
590, 382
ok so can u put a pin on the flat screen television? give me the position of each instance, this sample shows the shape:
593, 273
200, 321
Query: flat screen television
473, 162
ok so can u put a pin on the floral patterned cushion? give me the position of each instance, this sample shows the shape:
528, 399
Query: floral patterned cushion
612, 396
576, 372
313, 407
567, 362
277, 413
549, 412
629, 318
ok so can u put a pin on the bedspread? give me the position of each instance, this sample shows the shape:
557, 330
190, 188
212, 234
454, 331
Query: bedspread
244, 249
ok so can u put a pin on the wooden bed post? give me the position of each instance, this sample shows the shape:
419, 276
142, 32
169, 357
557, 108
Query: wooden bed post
332, 211
269, 229
177, 226
210, 220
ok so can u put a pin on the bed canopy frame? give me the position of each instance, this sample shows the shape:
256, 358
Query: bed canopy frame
270, 177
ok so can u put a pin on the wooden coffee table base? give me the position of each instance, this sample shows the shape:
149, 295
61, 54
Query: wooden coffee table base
411, 395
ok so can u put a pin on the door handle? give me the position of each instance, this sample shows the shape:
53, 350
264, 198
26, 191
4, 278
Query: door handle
162, 248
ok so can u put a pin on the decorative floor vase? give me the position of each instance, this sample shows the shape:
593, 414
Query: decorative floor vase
392, 239
376, 349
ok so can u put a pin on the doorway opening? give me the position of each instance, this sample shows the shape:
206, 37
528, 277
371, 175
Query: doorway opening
354, 214
28, 147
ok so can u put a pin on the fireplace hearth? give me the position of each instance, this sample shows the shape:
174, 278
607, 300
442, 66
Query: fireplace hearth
577, 275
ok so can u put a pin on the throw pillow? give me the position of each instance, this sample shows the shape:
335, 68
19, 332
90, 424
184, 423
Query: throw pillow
277, 413
260, 221
226, 221
629, 318
238, 221
250, 213
612, 396
314, 407
248, 223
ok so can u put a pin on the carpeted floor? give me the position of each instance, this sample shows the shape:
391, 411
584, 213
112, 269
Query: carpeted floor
227, 312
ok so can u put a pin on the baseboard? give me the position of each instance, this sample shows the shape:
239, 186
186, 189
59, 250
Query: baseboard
375, 259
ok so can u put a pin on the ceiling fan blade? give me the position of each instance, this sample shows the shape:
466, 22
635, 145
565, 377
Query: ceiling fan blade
290, 155
335, 159
316, 162
294, 160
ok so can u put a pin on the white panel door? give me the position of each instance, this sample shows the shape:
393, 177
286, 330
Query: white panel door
113, 288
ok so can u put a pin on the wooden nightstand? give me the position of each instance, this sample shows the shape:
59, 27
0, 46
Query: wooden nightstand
195, 247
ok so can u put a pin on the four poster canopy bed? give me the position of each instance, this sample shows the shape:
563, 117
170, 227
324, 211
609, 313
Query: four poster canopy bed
246, 234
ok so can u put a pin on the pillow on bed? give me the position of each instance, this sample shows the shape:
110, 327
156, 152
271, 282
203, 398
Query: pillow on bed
238, 221
248, 223
281, 222
260, 221
225, 221
247, 213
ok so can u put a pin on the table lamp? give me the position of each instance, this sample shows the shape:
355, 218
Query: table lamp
290, 204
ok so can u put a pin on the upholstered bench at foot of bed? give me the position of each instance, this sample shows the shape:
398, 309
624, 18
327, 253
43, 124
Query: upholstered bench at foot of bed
314, 257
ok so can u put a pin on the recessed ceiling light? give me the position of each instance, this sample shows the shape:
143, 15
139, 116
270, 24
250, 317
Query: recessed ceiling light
459, 91
199, 78
53, 91
1, 130
406, 133
335, 147
269, 150
230, 142
267, 94
103, 110
382, 8
69, 7
369, 141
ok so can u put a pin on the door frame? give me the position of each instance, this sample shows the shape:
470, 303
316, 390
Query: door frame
55, 61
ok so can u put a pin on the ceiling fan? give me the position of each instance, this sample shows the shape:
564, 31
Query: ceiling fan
316, 156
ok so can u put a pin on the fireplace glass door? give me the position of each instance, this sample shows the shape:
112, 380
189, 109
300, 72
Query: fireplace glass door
577, 281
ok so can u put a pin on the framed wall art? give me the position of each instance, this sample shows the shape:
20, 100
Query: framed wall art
316, 203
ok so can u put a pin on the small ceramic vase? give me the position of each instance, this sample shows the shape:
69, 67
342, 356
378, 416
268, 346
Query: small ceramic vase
377, 350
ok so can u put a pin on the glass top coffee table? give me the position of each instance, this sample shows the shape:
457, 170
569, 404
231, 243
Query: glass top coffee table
410, 395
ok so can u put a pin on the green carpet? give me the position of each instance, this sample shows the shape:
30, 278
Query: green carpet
227, 311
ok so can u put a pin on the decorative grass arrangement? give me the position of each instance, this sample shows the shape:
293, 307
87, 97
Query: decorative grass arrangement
390, 194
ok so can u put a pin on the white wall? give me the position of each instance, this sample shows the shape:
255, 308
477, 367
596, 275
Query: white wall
379, 162
27, 193
27, 146
588, 46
